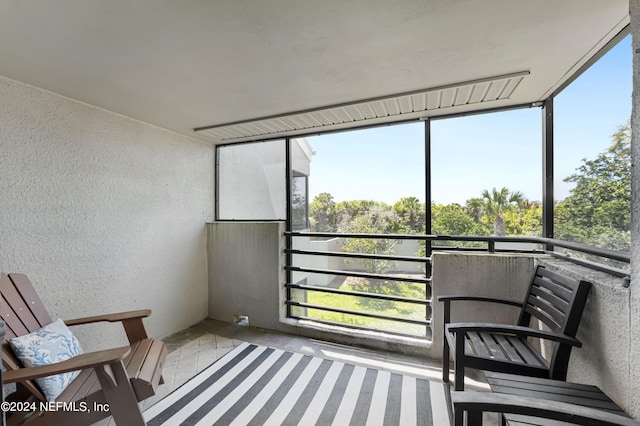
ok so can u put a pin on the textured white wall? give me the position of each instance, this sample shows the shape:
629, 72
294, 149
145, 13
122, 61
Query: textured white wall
103, 213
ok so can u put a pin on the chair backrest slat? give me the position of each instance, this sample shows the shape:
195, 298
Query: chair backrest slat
556, 300
31, 299
548, 307
568, 282
23, 312
16, 313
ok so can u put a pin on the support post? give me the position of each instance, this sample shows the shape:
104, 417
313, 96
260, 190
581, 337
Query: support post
288, 227
427, 202
547, 170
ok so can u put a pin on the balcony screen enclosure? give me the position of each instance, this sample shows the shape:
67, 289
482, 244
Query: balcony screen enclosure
365, 208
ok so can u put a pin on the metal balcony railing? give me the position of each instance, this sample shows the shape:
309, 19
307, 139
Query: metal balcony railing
399, 301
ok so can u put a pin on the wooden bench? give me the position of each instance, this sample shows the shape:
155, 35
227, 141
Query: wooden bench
555, 300
114, 379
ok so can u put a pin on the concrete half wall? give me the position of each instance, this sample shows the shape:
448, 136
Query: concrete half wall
102, 212
246, 278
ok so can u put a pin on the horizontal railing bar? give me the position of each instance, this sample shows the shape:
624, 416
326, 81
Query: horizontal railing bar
621, 273
360, 313
357, 274
400, 258
358, 255
607, 253
356, 235
359, 294
362, 327
484, 250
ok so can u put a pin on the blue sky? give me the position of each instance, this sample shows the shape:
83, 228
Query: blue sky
478, 152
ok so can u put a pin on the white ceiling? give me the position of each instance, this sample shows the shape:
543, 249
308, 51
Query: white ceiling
188, 64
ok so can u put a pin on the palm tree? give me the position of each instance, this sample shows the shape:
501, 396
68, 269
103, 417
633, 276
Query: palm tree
475, 208
496, 203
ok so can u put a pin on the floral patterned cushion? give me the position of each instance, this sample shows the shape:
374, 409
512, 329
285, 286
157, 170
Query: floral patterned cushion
50, 344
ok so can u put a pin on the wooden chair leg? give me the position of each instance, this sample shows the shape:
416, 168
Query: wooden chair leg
445, 344
119, 394
459, 378
474, 418
458, 362
458, 418
445, 360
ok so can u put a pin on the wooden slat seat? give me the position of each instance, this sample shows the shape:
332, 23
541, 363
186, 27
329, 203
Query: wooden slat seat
114, 379
534, 401
555, 300
530, 411
143, 363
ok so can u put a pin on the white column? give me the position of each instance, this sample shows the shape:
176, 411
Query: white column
634, 377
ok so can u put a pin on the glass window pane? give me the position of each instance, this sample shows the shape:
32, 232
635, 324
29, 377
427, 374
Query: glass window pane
368, 181
252, 181
299, 203
364, 182
301, 155
592, 153
486, 174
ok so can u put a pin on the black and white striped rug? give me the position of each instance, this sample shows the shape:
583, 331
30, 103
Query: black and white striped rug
257, 385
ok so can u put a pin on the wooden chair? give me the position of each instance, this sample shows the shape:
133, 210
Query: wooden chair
530, 411
111, 382
554, 299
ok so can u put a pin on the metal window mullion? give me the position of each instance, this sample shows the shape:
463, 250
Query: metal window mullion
427, 196
288, 226
216, 195
547, 170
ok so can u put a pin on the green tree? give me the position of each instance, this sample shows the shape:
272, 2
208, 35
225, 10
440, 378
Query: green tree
598, 209
452, 220
474, 208
322, 214
347, 211
526, 220
378, 218
412, 215
370, 218
496, 203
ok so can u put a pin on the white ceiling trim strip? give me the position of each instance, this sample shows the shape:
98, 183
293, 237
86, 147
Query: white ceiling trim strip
358, 113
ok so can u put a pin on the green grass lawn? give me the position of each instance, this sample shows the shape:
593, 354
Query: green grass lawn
384, 307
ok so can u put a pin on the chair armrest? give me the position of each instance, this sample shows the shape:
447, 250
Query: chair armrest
464, 327
80, 362
131, 321
478, 402
479, 299
116, 317
448, 299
